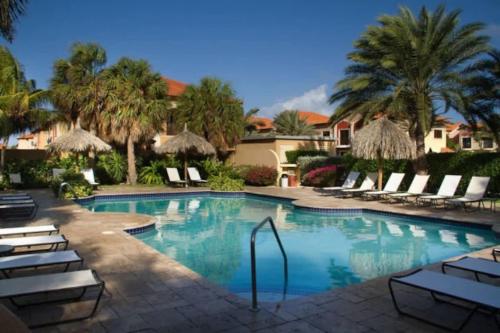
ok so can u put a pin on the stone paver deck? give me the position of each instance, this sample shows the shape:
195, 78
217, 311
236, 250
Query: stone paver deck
150, 292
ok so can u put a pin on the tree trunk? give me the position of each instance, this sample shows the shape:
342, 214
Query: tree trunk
420, 163
2, 154
380, 169
132, 173
185, 170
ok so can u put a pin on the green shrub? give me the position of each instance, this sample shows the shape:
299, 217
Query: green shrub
212, 167
260, 175
293, 155
77, 181
34, 174
225, 183
111, 167
154, 173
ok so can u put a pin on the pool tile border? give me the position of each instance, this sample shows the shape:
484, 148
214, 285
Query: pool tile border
330, 211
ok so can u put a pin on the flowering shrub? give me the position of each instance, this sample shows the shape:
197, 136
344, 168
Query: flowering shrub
324, 176
260, 175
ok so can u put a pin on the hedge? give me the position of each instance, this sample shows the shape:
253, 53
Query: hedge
467, 164
293, 155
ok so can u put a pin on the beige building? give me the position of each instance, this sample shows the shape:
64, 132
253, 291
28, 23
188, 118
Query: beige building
463, 136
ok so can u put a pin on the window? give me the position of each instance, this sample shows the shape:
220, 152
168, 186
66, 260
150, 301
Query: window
438, 134
487, 143
344, 137
326, 134
466, 143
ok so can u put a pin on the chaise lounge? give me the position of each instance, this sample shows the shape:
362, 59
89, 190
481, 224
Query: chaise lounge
391, 186
446, 191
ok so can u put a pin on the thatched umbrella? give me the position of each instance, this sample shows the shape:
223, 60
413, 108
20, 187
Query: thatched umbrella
78, 140
382, 139
186, 143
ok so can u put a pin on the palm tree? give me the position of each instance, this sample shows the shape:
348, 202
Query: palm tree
77, 87
213, 111
136, 106
20, 102
480, 101
405, 67
289, 122
10, 10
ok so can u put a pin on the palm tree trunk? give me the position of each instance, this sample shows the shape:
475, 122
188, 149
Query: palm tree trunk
132, 172
420, 163
2, 153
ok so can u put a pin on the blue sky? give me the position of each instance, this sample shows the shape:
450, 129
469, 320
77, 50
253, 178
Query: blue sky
277, 54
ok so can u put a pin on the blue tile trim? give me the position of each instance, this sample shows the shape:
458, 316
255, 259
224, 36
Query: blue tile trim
330, 211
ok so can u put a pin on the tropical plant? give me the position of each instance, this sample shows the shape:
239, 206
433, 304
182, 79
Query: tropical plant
260, 175
213, 111
20, 102
136, 107
224, 183
320, 177
154, 173
289, 122
79, 185
114, 166
406, 67
480, 100
77, 86
10, 10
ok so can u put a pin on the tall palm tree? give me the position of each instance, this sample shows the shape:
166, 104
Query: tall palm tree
405, 67
212, 110
10, 10
480, 100
77, 87
136, 106
289, 122
21, 104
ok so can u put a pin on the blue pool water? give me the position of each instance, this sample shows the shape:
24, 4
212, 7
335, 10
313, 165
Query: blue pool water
211, 236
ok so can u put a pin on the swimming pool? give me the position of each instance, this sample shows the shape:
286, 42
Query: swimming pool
210, 234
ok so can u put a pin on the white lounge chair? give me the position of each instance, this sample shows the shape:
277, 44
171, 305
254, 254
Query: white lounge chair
57, 172
416, 189
391, 186
53, 283
15, 209
195, 177
475, 265
349, 182
88, 174
481, 295
15, 178
174, 178
37, 229
474, 193
53, 241
34, 260
446, 191
367, 185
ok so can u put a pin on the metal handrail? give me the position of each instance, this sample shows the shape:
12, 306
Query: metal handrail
252, 257
64, 184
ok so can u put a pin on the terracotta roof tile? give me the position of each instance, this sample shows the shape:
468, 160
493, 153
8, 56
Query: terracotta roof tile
313, 118
175, 88
28, 136
265, 123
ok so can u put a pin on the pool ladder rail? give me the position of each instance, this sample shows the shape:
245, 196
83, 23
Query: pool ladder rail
253, 264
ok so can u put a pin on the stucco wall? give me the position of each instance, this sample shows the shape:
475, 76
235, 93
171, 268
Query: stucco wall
255, 154
435, 144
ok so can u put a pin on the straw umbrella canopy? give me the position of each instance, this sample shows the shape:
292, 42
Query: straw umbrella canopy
382, 139
186, 143
78, 140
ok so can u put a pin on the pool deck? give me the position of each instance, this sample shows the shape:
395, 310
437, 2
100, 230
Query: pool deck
150, 292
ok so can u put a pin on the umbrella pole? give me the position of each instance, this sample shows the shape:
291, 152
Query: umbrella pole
380, 177
185, 170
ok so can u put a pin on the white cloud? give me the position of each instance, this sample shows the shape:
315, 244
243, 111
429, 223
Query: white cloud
315, 100
493, 30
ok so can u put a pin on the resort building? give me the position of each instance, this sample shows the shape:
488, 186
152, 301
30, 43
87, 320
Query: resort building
465, 139
40, 139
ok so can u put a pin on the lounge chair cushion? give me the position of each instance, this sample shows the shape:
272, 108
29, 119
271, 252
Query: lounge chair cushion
479, 265
46, 283
33, 241
468, 290
28, 230
39, 259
